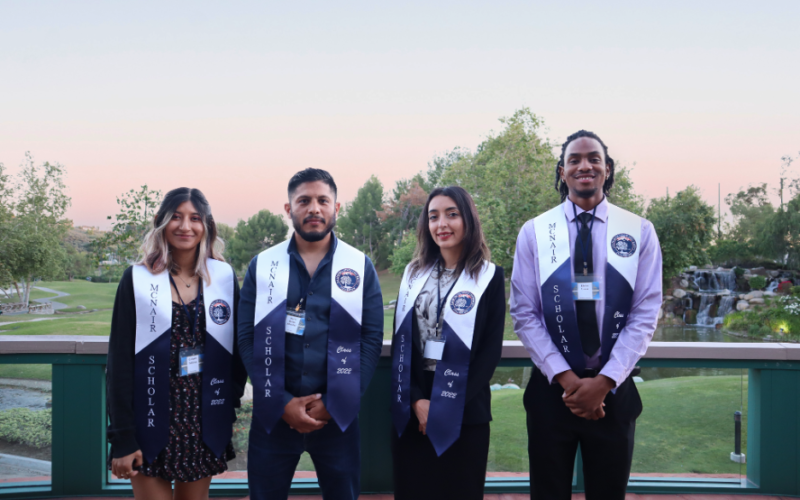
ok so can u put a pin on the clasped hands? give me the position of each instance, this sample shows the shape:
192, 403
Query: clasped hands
584, 396
306, 414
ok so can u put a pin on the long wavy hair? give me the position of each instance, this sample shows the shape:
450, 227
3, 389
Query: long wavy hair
475, 250
156, 254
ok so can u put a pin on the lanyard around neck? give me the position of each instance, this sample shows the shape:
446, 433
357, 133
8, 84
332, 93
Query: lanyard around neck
193, 318
584, 253
440, 302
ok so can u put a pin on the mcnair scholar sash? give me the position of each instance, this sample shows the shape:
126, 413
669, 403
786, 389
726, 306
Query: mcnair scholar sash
450, 380
344, 334
623, 240
151, 401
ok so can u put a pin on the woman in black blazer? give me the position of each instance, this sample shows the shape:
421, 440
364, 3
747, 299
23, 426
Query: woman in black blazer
447, 342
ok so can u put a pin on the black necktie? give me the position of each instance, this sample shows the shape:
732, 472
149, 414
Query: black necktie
587, 319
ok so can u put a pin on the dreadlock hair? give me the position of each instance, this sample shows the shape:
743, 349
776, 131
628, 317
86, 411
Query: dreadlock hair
561, 186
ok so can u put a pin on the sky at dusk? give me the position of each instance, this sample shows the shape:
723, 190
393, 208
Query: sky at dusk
234, 97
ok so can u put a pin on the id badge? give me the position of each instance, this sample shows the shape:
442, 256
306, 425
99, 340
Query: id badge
434, 349
295, 322
585, 288
191, 360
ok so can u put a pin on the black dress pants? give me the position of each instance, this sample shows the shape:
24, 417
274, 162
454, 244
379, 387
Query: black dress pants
554, 433
460, 472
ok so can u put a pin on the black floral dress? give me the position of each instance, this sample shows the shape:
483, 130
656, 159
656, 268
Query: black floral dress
186, 457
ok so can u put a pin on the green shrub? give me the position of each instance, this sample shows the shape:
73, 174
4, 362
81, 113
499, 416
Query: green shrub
795, 290
758, 282
738, 271
26, 426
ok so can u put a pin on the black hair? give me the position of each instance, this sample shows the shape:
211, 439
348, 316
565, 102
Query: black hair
311, 175
561, 186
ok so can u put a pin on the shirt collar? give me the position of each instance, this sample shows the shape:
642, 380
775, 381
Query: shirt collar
601, 214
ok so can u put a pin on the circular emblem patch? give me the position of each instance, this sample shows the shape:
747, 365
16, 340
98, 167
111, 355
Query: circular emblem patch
220, 312
623, 245
348, 280
462, 302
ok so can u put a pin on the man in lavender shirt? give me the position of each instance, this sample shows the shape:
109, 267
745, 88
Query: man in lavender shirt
586, 345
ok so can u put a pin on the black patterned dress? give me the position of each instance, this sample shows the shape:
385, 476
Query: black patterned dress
186, 457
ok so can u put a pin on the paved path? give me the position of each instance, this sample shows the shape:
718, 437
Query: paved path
56, 305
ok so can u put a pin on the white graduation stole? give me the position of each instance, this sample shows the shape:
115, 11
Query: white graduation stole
344, 335
153, 300
623, 239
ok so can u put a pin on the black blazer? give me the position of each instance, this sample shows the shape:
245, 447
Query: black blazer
487, 348
120, 367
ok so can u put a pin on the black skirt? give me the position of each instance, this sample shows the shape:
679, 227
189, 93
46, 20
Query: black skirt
459, 473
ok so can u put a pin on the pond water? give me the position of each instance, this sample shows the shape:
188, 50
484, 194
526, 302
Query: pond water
21, 397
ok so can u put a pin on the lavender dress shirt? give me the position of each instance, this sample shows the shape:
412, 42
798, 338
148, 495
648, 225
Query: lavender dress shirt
526, 300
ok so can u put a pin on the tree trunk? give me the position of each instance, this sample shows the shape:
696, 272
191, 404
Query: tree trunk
19, 295
27, 298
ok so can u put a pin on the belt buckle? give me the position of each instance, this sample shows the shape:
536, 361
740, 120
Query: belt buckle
590, 373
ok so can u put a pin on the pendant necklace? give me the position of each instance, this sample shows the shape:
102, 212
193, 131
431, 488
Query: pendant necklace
188, 285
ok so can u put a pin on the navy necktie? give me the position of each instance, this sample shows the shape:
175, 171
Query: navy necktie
587, 319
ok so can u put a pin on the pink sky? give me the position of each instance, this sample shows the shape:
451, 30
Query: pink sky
234, 101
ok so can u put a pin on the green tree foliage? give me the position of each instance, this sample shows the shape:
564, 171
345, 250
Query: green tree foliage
33, 233
119, 247
77, 263
255, 235
685, 227
401, 214
361, 226
510, 177
6, 214
622, 194
403, 254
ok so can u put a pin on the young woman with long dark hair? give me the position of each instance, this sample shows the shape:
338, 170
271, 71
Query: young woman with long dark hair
174, 374
447, 342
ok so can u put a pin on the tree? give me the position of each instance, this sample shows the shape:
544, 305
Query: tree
226, 234
403, 253
400, 215
361, 227
255, 235
33, 234
76, 262
685, 227
6, 214
510, 177
622, 194
120, 246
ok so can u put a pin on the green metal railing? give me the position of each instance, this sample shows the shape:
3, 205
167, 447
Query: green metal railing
79, 420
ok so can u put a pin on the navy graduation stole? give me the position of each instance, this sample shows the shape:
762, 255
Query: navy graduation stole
448, 395
344, 334
151, 400
555, 278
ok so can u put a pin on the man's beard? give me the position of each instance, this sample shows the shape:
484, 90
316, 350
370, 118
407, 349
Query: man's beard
312, 236
586, 193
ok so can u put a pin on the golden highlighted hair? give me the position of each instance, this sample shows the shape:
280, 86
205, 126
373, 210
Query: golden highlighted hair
155, 253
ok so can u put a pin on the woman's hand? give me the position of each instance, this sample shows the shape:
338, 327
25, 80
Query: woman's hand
123, 467
421, 407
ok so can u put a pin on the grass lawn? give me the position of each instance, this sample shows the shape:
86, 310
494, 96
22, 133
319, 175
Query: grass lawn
686, 427
82, 293
30, 372
96, 323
